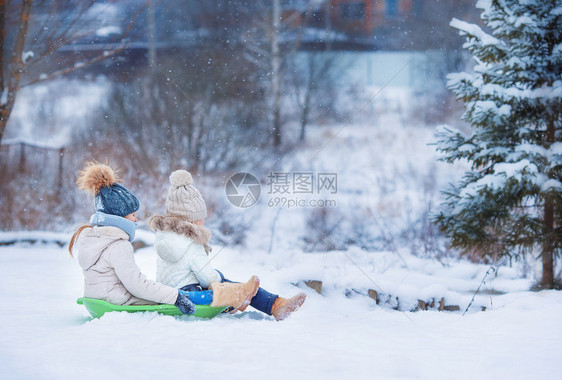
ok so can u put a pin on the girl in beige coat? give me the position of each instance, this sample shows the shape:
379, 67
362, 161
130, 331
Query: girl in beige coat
105, 252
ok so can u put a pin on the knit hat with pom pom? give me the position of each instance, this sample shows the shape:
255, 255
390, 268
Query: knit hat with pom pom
109, 196
184, 200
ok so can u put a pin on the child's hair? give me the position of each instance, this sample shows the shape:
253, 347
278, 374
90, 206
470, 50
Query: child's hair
75, 237
92, 178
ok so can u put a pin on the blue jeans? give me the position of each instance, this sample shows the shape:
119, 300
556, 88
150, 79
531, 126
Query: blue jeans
262, 301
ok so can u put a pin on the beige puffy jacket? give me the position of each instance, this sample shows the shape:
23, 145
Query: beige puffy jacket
110, 271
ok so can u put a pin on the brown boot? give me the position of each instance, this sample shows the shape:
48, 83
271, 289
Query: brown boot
242, 307
283, 307
234, 294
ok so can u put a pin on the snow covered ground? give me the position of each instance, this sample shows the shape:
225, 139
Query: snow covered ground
44, 334
388, 183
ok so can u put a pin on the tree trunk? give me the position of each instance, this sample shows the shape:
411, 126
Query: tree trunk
151, 37
304, 119
307, 99
547, 281
276, 73
2, 34
3, 90
10, 85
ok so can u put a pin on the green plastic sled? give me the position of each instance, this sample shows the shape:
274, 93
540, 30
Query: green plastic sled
97, 308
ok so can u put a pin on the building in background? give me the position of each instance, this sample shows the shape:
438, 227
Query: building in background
364, 17
384, 24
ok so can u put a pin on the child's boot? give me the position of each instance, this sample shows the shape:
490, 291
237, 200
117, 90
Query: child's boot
234, 294
283, 307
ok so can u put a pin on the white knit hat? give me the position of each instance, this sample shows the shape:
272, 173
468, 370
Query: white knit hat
184, 200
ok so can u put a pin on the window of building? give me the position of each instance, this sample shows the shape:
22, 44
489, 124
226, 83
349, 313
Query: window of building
353, 10
392, 8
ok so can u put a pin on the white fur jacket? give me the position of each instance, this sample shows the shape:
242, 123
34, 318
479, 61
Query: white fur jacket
182, 252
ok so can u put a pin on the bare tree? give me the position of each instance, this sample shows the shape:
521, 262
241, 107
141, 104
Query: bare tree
314, 82
33, 33
268, 51
10, 82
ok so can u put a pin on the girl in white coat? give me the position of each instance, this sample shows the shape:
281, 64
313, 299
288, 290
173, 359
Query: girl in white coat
182, 246
105, 252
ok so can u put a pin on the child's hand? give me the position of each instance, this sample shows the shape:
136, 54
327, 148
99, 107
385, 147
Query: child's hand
184, 303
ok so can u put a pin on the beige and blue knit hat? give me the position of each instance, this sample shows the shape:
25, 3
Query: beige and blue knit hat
184, 200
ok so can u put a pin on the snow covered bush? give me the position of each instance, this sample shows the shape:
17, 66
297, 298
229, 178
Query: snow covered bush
510, 202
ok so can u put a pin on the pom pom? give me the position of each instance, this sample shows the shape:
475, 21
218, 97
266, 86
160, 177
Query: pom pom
181, 178
94, 176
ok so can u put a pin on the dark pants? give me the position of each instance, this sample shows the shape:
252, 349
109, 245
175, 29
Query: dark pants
262, 301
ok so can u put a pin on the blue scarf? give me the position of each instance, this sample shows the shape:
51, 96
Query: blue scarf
101, 219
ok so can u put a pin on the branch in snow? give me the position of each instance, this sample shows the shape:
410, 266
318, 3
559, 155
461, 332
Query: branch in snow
466, 28
557, 11
484, 4
551, 184
27, 55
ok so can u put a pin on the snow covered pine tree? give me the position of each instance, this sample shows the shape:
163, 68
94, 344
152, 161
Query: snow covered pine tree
510, 202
